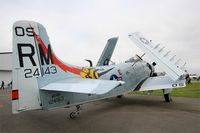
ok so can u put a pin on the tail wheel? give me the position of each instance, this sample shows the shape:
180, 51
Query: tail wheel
72, 115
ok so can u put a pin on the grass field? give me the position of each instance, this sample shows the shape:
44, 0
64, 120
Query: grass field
191, 90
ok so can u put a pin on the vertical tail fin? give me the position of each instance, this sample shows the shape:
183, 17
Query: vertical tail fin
32, 58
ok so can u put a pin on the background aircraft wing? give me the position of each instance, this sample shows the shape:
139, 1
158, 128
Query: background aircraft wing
80, 85
172, 66
160, 82
107, 52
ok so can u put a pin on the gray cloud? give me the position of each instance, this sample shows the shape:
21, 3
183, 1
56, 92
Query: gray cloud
80, 29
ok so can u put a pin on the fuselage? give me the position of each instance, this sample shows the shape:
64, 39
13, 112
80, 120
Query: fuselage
132, 73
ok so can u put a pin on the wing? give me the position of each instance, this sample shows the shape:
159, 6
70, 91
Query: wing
161, 82
165, 60
107, 52
80, 85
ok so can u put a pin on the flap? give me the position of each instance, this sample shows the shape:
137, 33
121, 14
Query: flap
79, 85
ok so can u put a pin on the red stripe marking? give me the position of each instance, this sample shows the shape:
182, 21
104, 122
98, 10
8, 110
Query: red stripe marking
15, 94
56, 61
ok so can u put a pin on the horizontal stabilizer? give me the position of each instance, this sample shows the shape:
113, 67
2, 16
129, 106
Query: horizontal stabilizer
161, 82
79, 85
169, 63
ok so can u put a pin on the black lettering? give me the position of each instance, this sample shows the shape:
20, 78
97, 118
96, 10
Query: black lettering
47, 57
27, 73
19, 31
36, 73
56, 98
106, 62
174, 85
144, 40
22, 55
29, 31
181, 84
47, 71
54, 70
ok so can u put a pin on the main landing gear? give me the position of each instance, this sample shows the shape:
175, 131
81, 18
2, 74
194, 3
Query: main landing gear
168, 98
167, 95
73, 115
119, 96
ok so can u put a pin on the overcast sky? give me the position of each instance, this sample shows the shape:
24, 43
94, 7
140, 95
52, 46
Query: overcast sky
79, 29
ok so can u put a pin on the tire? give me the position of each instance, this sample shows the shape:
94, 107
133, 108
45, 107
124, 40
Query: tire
167, 98
119, 96
72, 115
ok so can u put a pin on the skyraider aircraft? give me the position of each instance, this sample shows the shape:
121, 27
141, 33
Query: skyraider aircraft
42, 81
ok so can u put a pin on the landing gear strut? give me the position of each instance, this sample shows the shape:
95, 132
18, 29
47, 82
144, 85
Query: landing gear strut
167, 95
73, 115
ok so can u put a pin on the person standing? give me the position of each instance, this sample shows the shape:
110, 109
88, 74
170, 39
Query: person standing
2, 85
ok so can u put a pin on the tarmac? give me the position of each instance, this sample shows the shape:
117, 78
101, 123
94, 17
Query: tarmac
130, 114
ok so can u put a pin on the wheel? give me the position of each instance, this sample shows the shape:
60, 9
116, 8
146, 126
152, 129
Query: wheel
119, 96
72, 115
167, 98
